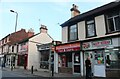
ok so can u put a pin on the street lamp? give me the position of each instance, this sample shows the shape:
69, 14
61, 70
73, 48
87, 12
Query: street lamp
16, 18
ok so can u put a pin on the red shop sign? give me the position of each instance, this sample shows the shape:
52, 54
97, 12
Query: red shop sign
68, 47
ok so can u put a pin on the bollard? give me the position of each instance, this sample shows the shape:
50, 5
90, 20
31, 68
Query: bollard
32, 70
52, 68
11, 68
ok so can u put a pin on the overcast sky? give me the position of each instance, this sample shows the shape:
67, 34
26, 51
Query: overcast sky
35, 12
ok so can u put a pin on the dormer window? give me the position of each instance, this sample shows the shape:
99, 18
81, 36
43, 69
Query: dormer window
72, 33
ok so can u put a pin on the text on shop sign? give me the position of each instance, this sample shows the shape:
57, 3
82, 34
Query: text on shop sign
68, 47
101, 43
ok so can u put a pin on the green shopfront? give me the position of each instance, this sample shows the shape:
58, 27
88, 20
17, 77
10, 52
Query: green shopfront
104, 55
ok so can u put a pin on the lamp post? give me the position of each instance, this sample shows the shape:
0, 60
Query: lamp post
16, 18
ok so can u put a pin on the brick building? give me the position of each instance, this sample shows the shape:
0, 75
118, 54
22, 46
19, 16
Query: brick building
9, 47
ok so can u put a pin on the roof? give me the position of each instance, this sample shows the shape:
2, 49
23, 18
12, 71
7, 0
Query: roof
95, 12
26, 39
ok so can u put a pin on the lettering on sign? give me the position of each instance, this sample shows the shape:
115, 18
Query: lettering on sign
68, 47
101, 43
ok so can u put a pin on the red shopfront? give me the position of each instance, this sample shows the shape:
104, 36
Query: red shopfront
23, 56
69, 58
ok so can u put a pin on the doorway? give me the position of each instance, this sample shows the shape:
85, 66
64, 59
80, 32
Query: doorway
76, 63
97, 62
89, 54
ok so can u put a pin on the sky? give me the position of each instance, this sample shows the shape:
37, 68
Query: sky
33, 13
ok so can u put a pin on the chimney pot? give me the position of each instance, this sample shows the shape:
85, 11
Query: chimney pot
43, 29
74, 10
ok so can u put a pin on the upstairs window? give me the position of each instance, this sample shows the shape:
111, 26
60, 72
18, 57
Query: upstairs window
12, 48
113, 21
90, 28
72, 33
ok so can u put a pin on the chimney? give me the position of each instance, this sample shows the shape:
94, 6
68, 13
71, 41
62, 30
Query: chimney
74, 11
43, 29
30, 32
117, 0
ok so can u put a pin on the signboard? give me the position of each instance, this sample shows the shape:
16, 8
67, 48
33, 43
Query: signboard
23, 49
101, 43
68, 47
86, 45
96, 44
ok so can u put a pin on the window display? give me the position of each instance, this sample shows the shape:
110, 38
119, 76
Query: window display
113, 58
99, 57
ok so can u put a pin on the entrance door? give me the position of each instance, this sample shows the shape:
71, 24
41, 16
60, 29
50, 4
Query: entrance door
99, 66
97, 62
76, 63
91, 56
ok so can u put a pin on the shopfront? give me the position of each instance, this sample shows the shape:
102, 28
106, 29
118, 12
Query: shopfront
44, 56
69, 58
104, 55
23, 56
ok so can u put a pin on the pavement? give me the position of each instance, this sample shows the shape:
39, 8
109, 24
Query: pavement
47, 74
40, 73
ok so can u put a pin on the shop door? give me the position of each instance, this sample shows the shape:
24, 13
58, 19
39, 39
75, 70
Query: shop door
99, 63
63, 61
76, 63
89, 54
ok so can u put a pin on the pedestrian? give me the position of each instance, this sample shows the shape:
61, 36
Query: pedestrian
88, 68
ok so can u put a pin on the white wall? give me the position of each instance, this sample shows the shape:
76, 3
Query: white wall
33, 54
81, 30
64, 34
100, 25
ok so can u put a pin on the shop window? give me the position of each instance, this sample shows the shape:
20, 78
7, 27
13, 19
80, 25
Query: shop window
72, 33
90, 28
99, 57
112, 57
21, 60
65, 60
113, 21
44, 60
77, 58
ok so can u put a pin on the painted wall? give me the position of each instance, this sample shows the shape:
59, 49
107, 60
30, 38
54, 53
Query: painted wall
64, 34
81, 30
33, 54
100, 25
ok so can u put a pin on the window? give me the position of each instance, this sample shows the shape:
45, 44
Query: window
90, 28
73, 33
12, 48
17, 48
99, 57
112, 57
113, 21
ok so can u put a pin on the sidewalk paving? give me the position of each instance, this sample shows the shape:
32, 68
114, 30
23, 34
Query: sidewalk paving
41, 73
